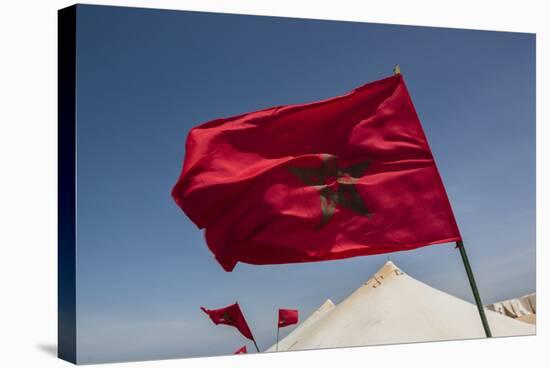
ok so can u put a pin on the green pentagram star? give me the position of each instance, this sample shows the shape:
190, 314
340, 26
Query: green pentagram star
343, 179
227, 318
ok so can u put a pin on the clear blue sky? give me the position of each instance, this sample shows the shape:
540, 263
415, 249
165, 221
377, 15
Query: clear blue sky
145, 77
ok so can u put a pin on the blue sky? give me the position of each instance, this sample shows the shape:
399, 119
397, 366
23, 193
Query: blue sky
145, 77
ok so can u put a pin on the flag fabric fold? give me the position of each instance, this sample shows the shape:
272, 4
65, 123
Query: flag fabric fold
231, 316
343, 177
287, 317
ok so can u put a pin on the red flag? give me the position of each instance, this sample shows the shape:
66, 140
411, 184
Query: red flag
348, 176
288, 317
242, 350
232, 316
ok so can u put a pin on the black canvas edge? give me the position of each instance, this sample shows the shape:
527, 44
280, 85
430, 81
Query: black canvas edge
66, 185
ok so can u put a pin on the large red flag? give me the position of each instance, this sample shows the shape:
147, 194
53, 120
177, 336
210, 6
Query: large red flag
348, 176
232, 316
287, 317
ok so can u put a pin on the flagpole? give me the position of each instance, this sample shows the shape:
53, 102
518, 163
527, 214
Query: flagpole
481, 310
256, 345
277, 346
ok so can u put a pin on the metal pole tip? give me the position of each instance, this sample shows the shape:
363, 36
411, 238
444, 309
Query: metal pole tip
396, 69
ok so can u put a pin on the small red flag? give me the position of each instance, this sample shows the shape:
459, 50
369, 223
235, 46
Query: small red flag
288, 317
231, 316
343, 177
242, 350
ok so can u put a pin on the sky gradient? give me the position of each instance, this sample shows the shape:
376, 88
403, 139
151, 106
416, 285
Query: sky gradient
145, 77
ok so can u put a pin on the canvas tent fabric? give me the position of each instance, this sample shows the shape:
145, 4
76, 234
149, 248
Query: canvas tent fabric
392, 307
528, 318
288, 342
516, 307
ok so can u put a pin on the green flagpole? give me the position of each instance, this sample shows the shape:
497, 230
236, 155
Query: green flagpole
460, 246
471, 279
277, 346
256, 345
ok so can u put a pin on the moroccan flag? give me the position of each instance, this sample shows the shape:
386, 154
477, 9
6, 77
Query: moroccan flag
343, 177
241, 350
288, 317
232, 316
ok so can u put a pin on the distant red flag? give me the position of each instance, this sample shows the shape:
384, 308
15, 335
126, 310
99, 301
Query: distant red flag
343, 177
242, 350
231, 316
288, 317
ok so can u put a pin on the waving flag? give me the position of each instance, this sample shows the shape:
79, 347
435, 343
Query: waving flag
343, 177
287, 317
231, 316
241, 350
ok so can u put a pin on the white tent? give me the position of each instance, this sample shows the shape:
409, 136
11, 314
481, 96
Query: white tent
392, 307
523, 308
291, 338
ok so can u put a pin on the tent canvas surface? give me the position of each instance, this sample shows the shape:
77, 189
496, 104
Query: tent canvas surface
523, 308
392, 307
516, 307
